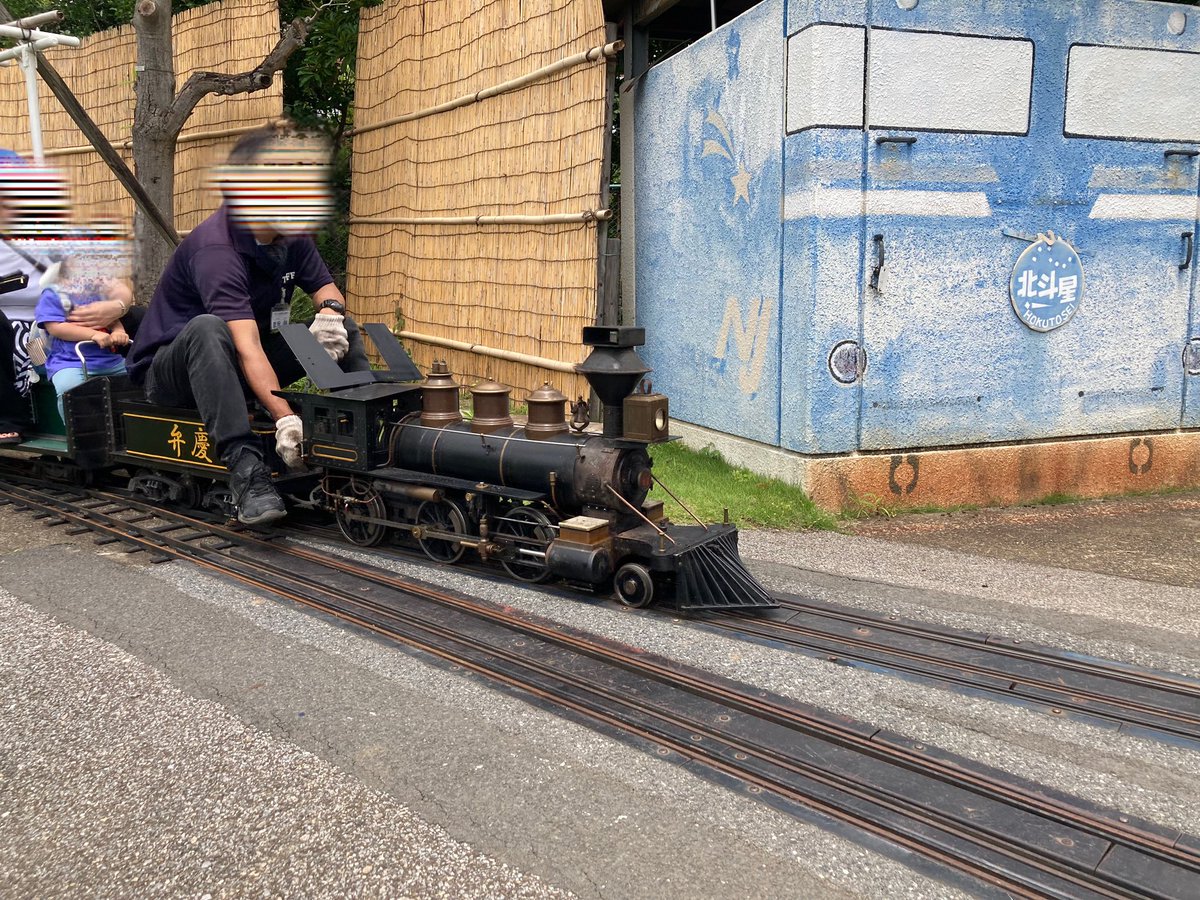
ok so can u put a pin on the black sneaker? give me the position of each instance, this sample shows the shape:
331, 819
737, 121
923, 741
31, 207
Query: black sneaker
258, 503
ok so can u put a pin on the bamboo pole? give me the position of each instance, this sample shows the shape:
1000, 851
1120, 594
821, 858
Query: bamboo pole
182, 139
588, 215
509, 355
602, 52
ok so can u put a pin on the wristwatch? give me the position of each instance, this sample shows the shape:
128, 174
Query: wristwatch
339, 308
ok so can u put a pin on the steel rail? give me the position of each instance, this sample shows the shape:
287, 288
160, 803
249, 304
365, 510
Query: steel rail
987, 673
664, 673
1116, 671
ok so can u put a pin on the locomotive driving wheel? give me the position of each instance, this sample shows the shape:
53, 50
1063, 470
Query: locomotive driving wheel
530, 532
442, 515
355, 505
634, 586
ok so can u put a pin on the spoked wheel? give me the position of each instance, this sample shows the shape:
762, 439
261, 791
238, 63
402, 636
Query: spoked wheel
353, 507
442, 515
634, 586
530, 531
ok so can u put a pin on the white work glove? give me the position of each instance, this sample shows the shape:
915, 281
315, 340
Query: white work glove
331, 334
289, 436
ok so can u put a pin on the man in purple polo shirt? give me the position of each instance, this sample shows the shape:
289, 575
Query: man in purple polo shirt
209, 336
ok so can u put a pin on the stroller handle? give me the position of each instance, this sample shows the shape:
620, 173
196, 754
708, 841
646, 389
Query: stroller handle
82, 359
79, 353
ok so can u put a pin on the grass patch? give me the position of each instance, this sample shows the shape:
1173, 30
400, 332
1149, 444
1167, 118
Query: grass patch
872, 506
1056, 500
707, 484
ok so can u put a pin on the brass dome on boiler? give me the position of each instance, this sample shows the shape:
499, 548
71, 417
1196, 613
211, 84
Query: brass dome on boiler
547, 413
490, 401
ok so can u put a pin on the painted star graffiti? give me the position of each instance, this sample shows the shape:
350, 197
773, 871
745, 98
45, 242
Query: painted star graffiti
741, 177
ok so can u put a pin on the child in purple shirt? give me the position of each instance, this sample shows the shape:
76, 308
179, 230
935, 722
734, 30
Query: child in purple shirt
63, 364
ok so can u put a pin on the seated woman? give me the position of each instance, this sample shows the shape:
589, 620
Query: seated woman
33, 205
68, 364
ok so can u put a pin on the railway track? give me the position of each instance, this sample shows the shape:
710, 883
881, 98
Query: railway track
1123, 697
1017, 836
1104, 693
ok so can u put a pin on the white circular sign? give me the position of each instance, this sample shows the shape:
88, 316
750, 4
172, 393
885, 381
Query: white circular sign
1046, 287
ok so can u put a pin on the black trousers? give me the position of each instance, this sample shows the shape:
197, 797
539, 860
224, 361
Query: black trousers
200, 369
14, 409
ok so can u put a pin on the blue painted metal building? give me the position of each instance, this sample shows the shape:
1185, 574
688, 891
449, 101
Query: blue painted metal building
834, 200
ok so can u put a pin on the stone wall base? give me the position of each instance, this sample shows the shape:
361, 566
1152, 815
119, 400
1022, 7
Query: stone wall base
996, 474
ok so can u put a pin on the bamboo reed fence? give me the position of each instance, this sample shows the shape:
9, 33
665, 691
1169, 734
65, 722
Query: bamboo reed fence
479, 150
230, 36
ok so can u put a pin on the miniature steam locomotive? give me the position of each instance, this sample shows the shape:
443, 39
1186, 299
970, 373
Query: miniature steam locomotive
390, 455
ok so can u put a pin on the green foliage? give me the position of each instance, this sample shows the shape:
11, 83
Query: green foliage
304, 386
333, 241
81, 18
318, 94
708, 484
868, 506
318, 82
84, 17
302, 307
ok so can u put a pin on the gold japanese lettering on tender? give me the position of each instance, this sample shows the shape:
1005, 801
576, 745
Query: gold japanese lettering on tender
177, 440
200, 445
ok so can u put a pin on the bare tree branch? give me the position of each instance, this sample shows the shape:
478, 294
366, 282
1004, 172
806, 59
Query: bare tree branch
328, 3
201, 84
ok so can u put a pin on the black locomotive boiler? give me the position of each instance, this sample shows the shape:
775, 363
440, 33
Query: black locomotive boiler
545, 499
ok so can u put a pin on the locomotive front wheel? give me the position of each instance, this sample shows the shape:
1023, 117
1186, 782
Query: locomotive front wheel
633, 586
349, 510
530, 532
442, 515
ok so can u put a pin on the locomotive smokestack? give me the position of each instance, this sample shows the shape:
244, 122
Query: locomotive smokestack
613, 369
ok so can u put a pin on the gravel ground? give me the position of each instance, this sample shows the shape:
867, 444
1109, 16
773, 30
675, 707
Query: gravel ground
1141, 777
517, 789
1148, 538
839, 865
118, 784
1111, 617
511, 782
